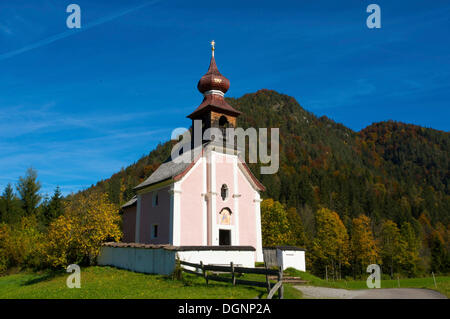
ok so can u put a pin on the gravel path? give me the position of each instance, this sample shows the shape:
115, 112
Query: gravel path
390, 293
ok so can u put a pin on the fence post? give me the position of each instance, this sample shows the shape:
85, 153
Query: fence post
267, 278
280, 278
232, 274
204, 272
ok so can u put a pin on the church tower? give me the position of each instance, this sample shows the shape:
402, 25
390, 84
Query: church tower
214, 111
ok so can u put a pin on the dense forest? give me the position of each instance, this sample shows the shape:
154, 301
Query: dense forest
387, 170
390, 172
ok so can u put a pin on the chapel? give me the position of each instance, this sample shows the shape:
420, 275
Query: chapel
213, 199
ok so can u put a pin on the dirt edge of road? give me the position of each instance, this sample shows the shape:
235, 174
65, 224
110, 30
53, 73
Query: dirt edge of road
311, 292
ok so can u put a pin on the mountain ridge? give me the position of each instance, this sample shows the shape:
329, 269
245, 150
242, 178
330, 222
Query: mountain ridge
387, 170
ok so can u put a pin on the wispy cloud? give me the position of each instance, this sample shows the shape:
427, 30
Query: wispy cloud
20, 120
72, 150
71, 32
82, 161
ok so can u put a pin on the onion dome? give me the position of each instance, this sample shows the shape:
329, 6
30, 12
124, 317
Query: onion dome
213, 86
213, 82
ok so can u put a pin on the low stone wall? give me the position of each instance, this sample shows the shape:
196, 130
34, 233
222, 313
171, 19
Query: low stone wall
161, 259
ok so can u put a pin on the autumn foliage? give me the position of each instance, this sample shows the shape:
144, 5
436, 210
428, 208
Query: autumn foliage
363, 245
21, 244
274, 223
75, 237
387, 185
330, 246
335, 249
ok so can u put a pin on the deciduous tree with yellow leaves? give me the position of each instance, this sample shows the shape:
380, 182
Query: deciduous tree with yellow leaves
298, 236
331, 244
363, 245
75, 237
274, 223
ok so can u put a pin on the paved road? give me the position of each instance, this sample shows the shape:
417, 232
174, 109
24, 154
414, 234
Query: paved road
390, 293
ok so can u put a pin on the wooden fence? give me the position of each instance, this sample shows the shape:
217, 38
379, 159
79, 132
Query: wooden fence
202, 270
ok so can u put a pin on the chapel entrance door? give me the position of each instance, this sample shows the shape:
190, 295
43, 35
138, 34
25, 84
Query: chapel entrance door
224, 237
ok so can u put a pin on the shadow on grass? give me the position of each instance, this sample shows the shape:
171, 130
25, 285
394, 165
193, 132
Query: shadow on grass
190, 280
48, 275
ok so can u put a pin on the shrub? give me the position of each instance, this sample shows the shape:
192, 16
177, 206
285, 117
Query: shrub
3, 262
177, 273
21, 244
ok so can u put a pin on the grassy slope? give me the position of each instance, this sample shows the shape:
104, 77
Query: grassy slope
107, 282
442, 282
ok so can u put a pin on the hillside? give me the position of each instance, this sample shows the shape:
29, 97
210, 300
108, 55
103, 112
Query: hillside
387, 170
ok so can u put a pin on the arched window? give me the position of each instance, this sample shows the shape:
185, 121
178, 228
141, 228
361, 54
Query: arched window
223, 121
224, 192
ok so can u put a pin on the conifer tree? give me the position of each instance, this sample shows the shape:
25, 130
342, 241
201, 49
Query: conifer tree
392, 246
440, 255
55, 206
28, 188
411, 252
10, 211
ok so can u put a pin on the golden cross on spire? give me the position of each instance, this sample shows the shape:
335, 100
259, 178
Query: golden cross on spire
213, 43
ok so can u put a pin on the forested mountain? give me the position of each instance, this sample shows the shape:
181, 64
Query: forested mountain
351, 199
387, 170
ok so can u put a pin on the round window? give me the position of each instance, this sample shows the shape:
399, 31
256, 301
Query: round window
224, 192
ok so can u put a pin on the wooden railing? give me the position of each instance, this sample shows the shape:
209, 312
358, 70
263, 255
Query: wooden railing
202, 270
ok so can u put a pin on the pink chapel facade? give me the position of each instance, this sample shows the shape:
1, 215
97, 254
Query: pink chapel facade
214, 200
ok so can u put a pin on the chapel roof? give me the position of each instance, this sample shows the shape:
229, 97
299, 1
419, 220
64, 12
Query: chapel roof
130, 203
173, 169
167, 170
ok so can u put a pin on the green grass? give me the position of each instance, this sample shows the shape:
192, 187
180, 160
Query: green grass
442, 282
107, 282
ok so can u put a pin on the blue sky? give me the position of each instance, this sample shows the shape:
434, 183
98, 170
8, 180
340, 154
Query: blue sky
77, 105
